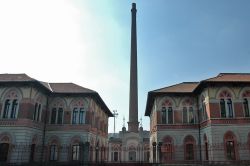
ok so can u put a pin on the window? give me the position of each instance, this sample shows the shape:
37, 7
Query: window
185, 115
53, 152
222, 108
74, 120
204, 111
230, 108
163, 115
37, 112
10, 109
14, 109
206, 150
53, 116
115, 156
4, 149
230, 151
6, 108
170, 115
167, 151
246, 107
75, 152
226, 107
32, 152
191, 115
132, 156
189, 145
81, 116
60, 116
78, 116
57, 116
189, 152
188, 115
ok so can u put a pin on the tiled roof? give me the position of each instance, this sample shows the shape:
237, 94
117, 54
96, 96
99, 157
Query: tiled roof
54, 88
190, 87
15, 78
230, 77
185, 87
68, 88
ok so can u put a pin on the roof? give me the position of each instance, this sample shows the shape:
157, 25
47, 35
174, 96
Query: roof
56, 88
15, 77
68, 88
191, 87
185, 87
230, 77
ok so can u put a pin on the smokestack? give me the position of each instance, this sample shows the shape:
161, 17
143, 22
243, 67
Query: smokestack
133, 123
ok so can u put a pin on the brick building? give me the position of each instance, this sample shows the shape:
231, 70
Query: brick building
201, 121
42, 121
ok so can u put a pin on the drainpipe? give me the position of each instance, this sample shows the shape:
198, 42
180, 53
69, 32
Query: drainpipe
44, 130
199, 125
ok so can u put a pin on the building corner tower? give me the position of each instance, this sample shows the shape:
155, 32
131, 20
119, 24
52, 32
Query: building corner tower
133, 123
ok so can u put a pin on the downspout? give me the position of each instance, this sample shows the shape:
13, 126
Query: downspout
44, 130
199, 125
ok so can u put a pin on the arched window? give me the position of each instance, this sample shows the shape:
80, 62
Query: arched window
188, 111
163, 115
53, 152
54, 149
78, 112
14, 109
4, 150
167, 115
37, 112
32, 152
167, 149
75, 152
4, 147
230, 143
6, 108
11, 105
203, 111
56, 115
170, 115
76, 148
132, 153
167, 112
188, 115
226, 105
189, 145
222, 108
246, 107
115, 156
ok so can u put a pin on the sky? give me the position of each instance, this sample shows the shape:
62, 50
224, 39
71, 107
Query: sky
87, 42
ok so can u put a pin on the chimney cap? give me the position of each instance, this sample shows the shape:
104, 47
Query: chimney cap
134, 5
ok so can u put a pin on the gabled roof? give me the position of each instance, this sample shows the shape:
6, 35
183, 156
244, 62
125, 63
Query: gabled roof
55, 88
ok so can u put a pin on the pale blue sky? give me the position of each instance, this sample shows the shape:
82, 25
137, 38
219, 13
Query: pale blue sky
88, 43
